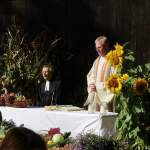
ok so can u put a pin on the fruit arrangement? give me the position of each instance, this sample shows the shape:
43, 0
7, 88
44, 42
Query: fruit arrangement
55, 139
7, 98
65, 147
20, 101
2, 101
14, 100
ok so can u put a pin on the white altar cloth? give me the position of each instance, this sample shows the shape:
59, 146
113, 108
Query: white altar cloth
38, 119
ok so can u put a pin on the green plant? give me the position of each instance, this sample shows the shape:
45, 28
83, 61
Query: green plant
21, 61
5, 126
133, 104
91, 141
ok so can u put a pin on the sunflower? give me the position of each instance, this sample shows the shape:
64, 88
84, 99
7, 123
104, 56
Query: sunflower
109, 54
140, 86
114, 83
125, 77
119, 49
114, 59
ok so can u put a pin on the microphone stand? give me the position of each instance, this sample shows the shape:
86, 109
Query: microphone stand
53, 97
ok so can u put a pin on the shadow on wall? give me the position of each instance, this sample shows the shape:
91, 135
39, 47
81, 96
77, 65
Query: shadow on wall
74, 80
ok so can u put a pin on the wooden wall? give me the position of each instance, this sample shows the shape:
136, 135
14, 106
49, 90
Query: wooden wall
79, 22
82, 20
121, 20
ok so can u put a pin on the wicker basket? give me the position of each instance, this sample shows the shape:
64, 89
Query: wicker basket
20, 104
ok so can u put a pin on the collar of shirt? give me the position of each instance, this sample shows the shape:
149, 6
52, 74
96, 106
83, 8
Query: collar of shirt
47, 85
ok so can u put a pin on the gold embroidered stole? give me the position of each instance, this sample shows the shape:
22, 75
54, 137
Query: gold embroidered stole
106, 69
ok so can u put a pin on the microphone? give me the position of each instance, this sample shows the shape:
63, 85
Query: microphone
53, 97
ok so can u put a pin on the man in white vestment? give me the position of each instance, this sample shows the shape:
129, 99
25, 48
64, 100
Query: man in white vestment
99, 97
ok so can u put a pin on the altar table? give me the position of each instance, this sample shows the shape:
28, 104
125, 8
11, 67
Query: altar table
39, 120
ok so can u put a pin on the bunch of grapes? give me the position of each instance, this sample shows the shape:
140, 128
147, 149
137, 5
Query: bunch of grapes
9, 97
2, 100
53, 131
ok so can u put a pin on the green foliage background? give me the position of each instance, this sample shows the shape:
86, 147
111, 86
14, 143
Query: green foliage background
22, 59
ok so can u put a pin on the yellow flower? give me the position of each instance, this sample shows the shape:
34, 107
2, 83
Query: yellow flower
119, 49
114, 59
109, 54
140, 86
125, 76
114, 83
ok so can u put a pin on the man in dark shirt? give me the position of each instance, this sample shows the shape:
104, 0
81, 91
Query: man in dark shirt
48, 91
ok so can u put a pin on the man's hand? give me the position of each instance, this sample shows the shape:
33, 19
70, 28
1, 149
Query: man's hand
92, 87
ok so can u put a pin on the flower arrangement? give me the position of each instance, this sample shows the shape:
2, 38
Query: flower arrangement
132, 95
